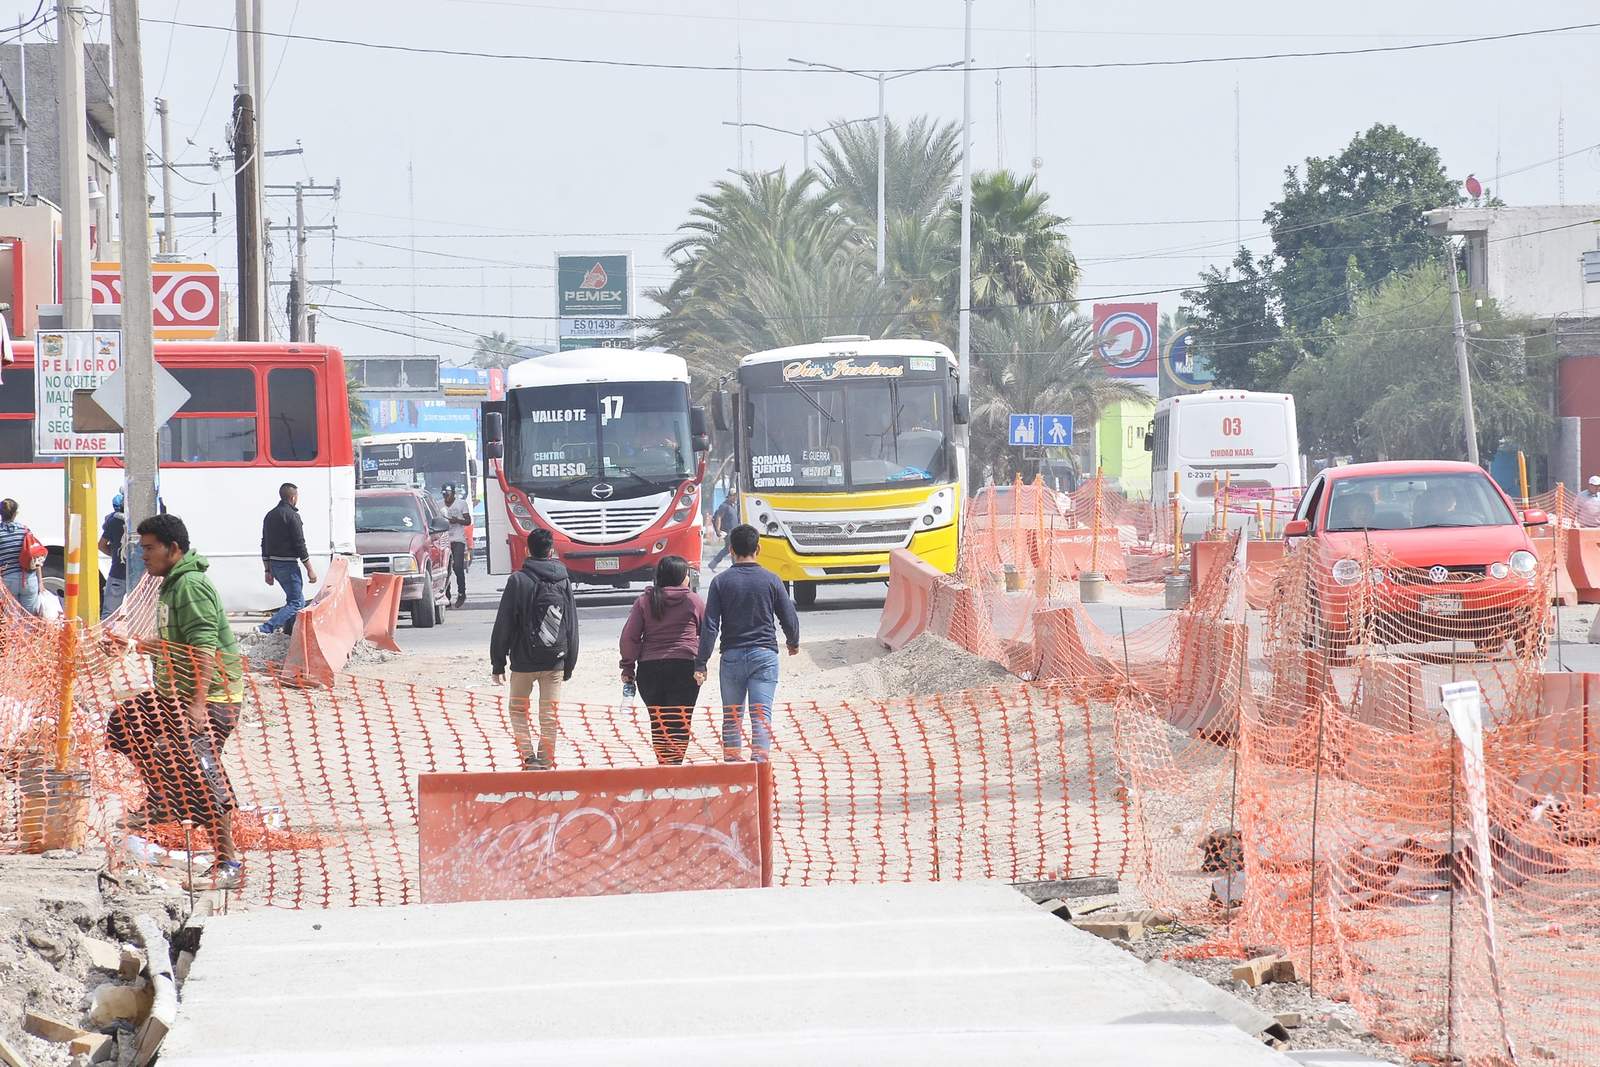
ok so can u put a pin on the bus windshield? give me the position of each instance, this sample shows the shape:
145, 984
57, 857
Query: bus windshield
426, 465
564, 439
833, 437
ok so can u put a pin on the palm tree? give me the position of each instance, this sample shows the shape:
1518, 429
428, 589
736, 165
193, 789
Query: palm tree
765, 261
496, 350
920, 159
1020, 253
360, 414
1035, 360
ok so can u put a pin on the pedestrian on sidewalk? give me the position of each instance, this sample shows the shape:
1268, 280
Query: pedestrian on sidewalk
747, 603
112, 531
723, 522
283, 553
459, 512
21, 557
1588, 510
536, 628
659, 642
199, 676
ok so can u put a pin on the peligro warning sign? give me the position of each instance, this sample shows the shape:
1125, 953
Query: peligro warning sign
66, 361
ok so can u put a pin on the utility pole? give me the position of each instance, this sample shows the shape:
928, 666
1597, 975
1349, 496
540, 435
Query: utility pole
883, 150
169, 235
1238, 181
247, 184
76, 313
297, 285
964, 299
1459, 330
140, 453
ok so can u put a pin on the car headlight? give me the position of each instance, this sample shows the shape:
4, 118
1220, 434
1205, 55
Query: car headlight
403, 564
1377, 576
1524, 563
1347, 572
1499, 570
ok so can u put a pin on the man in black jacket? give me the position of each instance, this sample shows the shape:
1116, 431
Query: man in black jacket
283, 553
537, 627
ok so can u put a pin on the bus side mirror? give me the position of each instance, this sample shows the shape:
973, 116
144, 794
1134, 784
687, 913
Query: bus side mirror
1149, 442
493, 436
719, 411
963, 409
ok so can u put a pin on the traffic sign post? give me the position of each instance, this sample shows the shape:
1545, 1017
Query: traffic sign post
1055, 431
1024, 431
67, 362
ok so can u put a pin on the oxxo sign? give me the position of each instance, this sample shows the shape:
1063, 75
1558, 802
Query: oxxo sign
186, 298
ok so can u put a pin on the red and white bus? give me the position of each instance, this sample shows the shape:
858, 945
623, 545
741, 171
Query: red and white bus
257, 415
602, 448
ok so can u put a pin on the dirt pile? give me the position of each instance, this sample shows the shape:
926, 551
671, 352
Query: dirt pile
931, 664
268, 650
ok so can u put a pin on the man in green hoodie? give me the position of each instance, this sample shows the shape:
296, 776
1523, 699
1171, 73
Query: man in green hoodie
197, 667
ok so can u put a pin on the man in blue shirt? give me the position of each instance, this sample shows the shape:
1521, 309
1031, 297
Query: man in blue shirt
747, 604
111, 537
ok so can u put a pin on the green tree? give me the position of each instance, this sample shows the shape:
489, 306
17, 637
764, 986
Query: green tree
1354, 217
1235, 312
1385, 384
360, 414
1020, 251
1035, 359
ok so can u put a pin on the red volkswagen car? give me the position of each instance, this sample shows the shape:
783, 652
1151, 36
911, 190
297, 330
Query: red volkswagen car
1419, 551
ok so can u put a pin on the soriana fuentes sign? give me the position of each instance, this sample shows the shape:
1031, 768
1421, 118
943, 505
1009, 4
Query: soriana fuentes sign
186, 298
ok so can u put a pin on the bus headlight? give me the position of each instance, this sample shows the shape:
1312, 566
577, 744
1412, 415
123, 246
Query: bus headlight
773, 529
403, 564
1347, 572
519, 510
1524, 563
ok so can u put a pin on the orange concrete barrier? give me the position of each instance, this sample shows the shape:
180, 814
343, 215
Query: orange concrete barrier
1583, 564
378, 601
1074, 552
325, 631
525, 834
1208, 677
909, 605
1261, 563
1564, 736
1562, 589
1063, 653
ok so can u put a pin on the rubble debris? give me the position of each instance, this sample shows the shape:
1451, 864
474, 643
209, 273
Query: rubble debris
1111, 931
1264, 969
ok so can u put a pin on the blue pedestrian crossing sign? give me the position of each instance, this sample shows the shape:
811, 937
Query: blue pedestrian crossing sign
1056, 431
1025, 430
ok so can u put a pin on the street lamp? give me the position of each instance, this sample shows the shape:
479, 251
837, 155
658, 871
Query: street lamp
804, 135
881, 79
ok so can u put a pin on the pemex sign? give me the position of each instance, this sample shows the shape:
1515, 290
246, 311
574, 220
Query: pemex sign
594, 300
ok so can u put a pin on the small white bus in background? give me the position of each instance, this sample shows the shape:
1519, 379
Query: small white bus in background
427, 461
1248, 441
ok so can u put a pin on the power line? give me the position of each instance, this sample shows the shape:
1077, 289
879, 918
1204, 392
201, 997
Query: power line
465, 53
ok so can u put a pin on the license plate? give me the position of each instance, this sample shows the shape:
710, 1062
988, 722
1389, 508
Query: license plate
1441, 605
608, 563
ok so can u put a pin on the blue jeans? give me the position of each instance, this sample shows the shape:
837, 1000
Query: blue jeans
116, 589
286, 572
749, 678
25, 587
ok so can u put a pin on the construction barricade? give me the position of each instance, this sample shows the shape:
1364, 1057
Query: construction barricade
909, 602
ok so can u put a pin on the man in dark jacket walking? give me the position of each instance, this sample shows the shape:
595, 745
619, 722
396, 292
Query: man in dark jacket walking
537, 629
283, 553
748, 604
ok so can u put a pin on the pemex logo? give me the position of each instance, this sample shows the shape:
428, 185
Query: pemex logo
595, 279
593, 285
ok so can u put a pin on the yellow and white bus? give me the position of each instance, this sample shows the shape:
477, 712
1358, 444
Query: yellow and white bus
847, 449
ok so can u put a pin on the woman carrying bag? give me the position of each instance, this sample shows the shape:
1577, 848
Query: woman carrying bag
21, 558
659, 643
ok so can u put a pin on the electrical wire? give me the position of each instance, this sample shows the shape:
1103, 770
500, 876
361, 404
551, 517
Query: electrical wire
728, 68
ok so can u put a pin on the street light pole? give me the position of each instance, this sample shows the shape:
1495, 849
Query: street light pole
964, 309
883, 138
1459, 330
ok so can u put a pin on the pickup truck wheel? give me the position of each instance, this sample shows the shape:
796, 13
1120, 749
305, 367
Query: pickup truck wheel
424, 613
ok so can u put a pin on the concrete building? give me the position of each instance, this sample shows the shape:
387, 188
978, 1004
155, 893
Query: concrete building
30, 158
1527, 258
1529, 261
1123, 458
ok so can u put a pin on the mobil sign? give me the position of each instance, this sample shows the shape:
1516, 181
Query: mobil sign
1125, 339
186, 298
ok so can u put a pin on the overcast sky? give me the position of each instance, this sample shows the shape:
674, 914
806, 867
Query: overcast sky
515, 159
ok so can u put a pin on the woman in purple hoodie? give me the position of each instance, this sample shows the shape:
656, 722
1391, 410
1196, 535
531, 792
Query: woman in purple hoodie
659, 644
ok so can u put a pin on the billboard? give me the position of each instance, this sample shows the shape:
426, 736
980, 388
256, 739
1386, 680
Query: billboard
186, 298
1125, 339
594, 300
1184, 366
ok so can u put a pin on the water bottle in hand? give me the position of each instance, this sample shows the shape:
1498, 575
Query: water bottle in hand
628, 691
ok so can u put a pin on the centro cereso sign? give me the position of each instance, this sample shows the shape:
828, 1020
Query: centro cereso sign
593, 285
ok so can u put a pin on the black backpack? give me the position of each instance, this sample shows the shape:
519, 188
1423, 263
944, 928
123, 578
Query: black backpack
544, 615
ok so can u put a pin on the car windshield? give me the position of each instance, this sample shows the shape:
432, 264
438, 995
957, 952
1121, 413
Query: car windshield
1415, 502
388, 514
